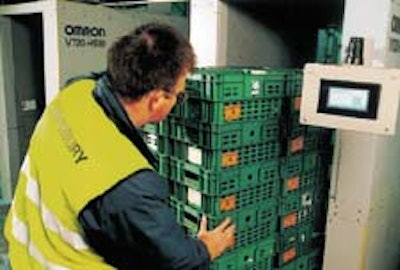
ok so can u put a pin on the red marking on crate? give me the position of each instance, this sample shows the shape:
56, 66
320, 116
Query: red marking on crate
297, 103
290, 220
289, 255
228, 203
232, 112
297, 144
230, 158
293, 183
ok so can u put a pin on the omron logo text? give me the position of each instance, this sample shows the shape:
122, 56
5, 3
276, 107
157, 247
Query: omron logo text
79, 30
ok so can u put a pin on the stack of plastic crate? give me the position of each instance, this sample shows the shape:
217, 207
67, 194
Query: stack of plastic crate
222, 158
304, 187
236, 149
329, 45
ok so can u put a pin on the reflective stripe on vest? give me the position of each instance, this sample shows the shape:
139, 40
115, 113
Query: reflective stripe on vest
49, 219
20, 232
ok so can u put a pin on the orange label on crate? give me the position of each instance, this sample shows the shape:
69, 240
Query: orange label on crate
228, 203
289, 255
290, 220
230, 158
293, 183
297, 144
297, 103
232, 112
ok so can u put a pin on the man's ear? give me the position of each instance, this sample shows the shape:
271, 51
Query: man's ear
156, 100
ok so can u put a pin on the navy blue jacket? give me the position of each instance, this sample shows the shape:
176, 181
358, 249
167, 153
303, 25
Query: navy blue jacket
131, 226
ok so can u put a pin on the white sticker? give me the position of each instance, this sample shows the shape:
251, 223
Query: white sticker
194, 197
258, 72
255, 88
195, 77
306, 199
152, 141
194, 155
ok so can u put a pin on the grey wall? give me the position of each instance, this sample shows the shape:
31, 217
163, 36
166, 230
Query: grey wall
277, 33
251, 43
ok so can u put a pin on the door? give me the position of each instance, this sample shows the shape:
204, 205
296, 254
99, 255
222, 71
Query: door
22, 95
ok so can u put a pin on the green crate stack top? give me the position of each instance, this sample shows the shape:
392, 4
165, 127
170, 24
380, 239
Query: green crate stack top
328, 45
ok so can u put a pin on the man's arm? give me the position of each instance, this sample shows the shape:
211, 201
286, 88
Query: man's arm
132, 227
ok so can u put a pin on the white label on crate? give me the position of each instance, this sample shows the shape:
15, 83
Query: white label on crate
152, 141
194, 155
306, 199
194, 197
303, 238
258, 72
195, 77
255, 88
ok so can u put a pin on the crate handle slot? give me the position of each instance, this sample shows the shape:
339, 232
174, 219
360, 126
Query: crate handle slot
188, 175
191, 220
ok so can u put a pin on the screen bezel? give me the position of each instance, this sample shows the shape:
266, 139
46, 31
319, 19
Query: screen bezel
373, 101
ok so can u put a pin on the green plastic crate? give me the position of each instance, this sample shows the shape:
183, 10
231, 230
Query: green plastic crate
295, 218
196, 110
160, 128
231, 135
296, 201
310, 196
328, 45
252, 224
298, 163
302, 181
229, 180
294, 83
218, 204
301, 263
164, 166
157, 144
297, 236
230, 84
306, 254
247, 258
220, 159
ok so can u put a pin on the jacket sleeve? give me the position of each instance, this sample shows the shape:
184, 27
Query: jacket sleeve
132, 227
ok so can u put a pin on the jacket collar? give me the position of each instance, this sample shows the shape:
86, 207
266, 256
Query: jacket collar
112, 107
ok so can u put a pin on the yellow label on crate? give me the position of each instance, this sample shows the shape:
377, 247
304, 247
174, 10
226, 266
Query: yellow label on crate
232, 112
230, 158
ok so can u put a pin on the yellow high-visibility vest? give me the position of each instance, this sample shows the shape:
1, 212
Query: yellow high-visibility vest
75, 155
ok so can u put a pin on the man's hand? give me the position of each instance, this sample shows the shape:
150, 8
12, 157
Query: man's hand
219, 239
